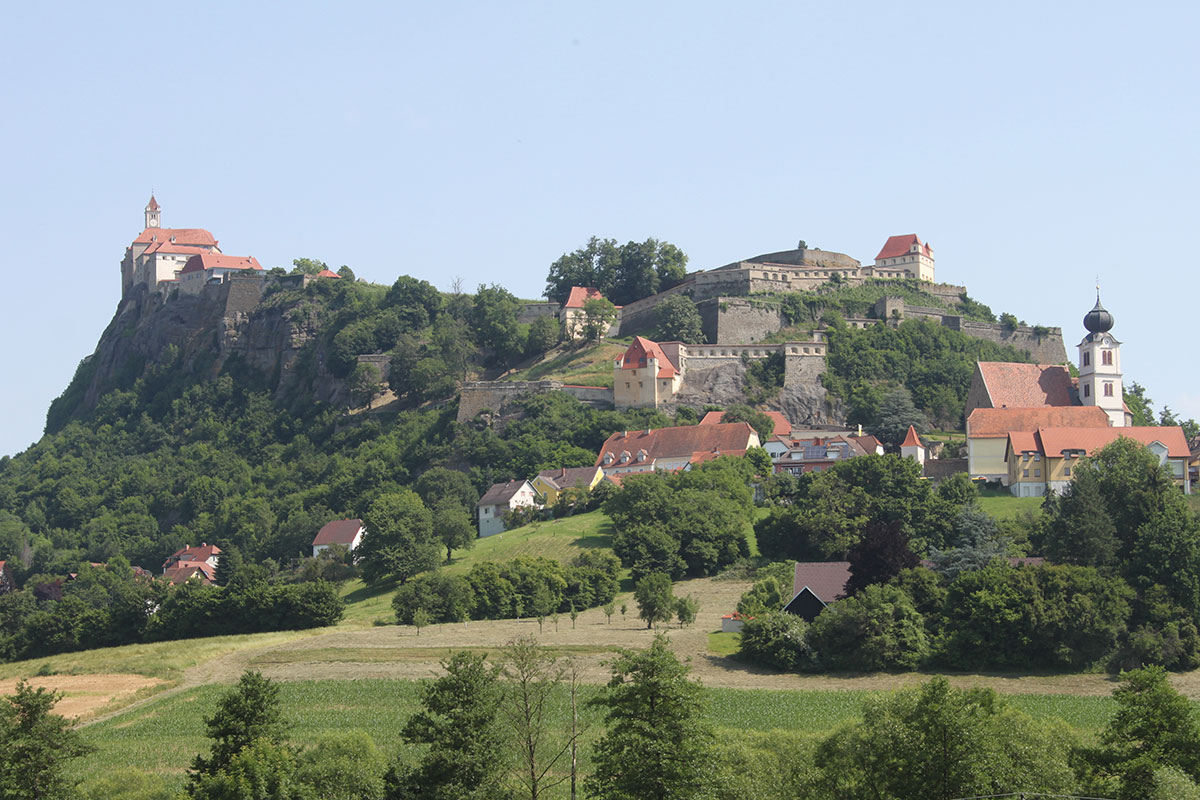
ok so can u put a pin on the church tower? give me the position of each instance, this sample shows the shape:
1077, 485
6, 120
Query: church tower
153, 219
1100, 366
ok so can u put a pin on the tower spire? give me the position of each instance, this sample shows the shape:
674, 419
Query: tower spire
153, 213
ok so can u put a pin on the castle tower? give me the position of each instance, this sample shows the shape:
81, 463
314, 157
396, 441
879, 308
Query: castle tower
1100, 366
153, 214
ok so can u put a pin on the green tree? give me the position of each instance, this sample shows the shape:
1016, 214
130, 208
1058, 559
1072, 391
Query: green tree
247, 713
686, 609
35, 745
545, 333
343, 766
977, 543
365, 384
1154, 726
494, 323
263, 770
459, 722
763, 425
940, 743
453, 527
656, 743
307, 266
678, 320
441, 483
1080, 531
896, 413
655, 601
876, 629
598, 316
399, 540
881, 554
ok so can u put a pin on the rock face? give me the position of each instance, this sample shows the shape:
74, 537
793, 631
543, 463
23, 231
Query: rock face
201, 333
802, 400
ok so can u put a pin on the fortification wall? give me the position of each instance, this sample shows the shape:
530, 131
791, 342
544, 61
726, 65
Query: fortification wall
801, 370
496, 396
735, 319
639, 316
531, 311
595, 396
382, 362
1045, 349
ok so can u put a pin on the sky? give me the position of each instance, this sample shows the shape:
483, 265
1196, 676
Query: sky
1036, 146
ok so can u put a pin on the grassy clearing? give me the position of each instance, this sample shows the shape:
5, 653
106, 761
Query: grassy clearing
162, 737
1003, 505
559, 539
385, 655
164, 660
589, 366
724, 644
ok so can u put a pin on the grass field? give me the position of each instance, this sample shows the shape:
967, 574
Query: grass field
162, 737
560, 540
588, 366
1002, 505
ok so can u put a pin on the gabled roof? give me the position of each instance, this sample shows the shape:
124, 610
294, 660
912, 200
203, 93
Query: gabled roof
501, 493
635, 357
1055, 440
580, 295
911, 439
207, 261
184, 570
897, 246
565, 478
193, 236
644, 447
200, 553
327, 273
782, 426
340, 531
1013, 385
825, 579
868, 443
996, 423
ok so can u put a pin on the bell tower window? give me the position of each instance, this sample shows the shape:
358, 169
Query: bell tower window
1106, 357
1087, 358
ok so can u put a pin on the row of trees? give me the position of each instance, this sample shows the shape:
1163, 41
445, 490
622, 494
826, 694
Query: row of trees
108, 606
520, 587
622, 273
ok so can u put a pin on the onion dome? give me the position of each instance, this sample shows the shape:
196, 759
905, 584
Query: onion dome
1098, 320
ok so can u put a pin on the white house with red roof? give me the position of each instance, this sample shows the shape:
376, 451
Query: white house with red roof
193, 562
345, 532
675, 448
904, 256
207, 268
572, 316
158, 253
912, 446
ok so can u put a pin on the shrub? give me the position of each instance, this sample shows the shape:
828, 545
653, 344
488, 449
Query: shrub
776, 640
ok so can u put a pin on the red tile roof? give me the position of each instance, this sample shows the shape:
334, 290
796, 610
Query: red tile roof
1013, 385
328, 273
153, 204
897, 246
700, 457
184, 570
675, 443
193, 236
642, 349
206, 261
1055, 440
200, 553
868, 443
174, 249
340, 531
825, 579
782, 426
911, 439
996, 423
580, 295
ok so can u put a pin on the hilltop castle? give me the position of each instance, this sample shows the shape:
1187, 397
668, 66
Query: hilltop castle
165, 258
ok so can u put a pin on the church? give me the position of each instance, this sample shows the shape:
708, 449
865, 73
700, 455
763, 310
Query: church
1026, 423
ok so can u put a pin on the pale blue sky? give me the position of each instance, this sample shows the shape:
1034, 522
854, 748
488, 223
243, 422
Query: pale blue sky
1034, 145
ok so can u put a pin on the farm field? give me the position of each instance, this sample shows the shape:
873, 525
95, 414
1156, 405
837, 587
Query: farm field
163, 737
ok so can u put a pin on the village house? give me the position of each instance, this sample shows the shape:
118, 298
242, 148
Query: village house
644, 376
347, 533
816, 453
816, 584
907, 256
550, 482
572, 317
988, 430
1041, 461
674, 448
499, 500
193, 562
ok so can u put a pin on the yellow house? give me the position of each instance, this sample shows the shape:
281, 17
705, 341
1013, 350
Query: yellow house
988, 430
1042, 461
550, 482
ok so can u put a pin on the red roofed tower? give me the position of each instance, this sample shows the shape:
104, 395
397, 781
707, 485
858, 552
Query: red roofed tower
912, 447
153, 213
644, 376
908, 254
